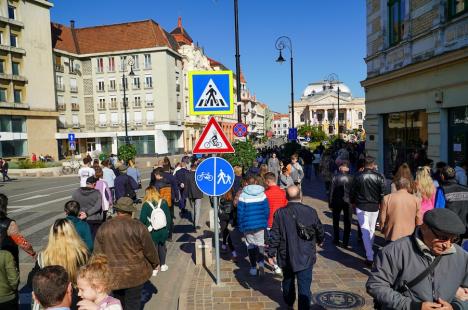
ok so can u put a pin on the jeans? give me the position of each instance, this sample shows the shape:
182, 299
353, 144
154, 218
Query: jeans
367, 221
130, 298
162, 252
304, 281
171, 227
226, 233
196, 206
348, 215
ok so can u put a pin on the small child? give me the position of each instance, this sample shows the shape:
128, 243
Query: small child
93, 283
285, 178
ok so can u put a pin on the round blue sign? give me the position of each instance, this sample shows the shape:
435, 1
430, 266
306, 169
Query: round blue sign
240, 130
214, 176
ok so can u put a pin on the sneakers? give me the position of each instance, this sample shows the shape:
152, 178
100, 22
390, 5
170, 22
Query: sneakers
253, 271
277, 269
155, 272
164, 268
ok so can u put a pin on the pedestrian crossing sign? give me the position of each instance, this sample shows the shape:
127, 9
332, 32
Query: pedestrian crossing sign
211, 92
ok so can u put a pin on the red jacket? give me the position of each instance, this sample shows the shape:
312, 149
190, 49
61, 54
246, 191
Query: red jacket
276, 199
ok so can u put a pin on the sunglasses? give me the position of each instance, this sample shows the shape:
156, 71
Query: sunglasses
444, 237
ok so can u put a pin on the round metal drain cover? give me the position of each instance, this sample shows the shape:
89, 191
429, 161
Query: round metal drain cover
339, 300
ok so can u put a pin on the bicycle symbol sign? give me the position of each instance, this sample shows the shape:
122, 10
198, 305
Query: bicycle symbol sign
214, 176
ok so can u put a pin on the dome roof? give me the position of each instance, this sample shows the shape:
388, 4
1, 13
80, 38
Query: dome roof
316, 88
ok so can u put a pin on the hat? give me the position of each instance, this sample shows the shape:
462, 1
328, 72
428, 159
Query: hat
91, 180
122, 168
125, 204
445, 221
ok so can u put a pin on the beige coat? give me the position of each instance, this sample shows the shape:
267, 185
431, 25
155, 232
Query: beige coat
399, 214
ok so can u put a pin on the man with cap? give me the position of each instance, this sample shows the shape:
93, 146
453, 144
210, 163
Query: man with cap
426, 270
131, 253
125, 185
90, 202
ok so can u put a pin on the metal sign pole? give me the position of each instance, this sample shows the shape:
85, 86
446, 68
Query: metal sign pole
216, 230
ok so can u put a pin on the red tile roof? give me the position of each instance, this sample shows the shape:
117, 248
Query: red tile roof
111, 38
215, 63
180, 35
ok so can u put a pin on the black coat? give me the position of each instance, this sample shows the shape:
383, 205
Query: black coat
456, 199
292, 251
340, 189
193, 192
368, 190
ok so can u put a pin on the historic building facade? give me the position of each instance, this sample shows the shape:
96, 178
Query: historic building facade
280, 125
27, 103
417, 81
319, 105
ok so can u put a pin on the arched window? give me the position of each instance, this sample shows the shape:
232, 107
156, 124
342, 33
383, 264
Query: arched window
360, 115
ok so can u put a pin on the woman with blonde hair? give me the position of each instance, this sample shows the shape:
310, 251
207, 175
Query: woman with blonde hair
403, 171
152, 202
425, 189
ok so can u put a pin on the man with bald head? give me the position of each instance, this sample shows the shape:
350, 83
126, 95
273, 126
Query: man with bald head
294, 235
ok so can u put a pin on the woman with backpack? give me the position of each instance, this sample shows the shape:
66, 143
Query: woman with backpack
226, 214
156, 216
103, 188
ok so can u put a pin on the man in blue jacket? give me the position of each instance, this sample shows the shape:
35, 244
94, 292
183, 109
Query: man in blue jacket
296, 256
252, 218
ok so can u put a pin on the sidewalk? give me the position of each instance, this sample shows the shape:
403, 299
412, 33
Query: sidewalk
339, 275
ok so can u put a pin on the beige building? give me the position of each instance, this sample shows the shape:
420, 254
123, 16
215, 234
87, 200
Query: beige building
27, 102
417, 81
90, 64
319, 105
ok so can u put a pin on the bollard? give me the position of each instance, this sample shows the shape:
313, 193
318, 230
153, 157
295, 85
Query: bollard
211, 219
204, 252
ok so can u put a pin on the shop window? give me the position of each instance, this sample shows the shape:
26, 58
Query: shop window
13, 148
457, 7
396, 15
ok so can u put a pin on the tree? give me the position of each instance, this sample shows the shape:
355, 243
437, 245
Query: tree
245, 154
316, 133
126, 152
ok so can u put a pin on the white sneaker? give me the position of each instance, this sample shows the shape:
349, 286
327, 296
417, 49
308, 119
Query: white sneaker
277, 269
155, 272
253, 271
164, 268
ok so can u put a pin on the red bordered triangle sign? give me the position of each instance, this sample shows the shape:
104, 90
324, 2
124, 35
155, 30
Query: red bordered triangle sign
212, 140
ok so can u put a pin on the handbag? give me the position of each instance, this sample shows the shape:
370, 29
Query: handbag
303, 231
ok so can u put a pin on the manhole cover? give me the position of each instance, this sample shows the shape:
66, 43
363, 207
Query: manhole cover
339, 300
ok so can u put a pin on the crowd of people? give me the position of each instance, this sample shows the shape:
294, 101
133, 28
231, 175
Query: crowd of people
101, 253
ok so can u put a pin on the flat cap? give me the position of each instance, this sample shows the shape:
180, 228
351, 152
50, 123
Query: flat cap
444, 220
125, 204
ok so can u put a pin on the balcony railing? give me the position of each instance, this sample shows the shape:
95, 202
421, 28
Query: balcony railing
103, 124
177, 88
100, 89
75, 107
60, 87
73, 89
59, 68
137, 104
111, 87
76, 125
149, 122
149, 103
61, 107
135, 86
101, 106
148, 86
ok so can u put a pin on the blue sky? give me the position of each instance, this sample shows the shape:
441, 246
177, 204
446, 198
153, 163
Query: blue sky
328, 36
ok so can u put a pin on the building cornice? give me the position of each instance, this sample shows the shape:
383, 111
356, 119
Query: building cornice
36, 113
141, 50
45, 3
443, 60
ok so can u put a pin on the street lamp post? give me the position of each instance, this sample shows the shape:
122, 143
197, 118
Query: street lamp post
238, 70
124, 85
282, 43
333, 79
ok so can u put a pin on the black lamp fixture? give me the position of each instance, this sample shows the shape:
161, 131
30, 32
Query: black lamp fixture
282, 43
280, 58
130, 63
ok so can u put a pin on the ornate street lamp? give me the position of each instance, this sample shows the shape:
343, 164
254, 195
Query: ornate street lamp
130, 63
281, 44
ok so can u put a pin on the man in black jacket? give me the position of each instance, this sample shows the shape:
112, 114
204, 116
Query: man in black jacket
296, 256
367, 193
339, 201
456, 196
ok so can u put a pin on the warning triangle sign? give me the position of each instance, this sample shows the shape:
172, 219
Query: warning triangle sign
211, 97
213, 140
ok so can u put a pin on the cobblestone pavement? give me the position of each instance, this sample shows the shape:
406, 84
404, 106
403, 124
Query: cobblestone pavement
336, 270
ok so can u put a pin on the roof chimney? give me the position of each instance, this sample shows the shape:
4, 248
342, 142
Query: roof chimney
179, 22
72, 24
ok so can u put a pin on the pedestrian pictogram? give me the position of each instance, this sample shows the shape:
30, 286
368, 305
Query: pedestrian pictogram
214, 176
211, 92
71, 137
213, 140
240, 130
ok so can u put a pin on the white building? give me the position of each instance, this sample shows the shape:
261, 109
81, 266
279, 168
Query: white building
90, 63
318, 107
280, 125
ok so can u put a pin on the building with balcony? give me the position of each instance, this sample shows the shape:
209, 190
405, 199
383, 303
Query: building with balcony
253, 111
90, 66
280, 125
417, 81
319, 105
27, 103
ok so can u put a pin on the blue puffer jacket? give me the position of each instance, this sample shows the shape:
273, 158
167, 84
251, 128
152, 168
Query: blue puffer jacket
252, 209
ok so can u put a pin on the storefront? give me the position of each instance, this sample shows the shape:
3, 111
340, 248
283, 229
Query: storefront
458, 134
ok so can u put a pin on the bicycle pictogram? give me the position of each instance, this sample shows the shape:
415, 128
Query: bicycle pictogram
205, 175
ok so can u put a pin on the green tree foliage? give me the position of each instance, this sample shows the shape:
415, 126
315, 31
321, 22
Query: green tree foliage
126, 152
316, 133
244, 156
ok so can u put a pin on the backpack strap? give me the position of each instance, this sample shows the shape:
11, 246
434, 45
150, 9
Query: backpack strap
151, 204
159, 203
408, 285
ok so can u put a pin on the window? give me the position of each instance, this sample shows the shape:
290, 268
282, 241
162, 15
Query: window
136, 82
114, 118
113, 102
74, 100
100, 85
396, 15
125, 83
111, 64
457, 7
100, 65
148, 81
102, 103
135, 62
17, 95
75, 121
3, 94
60, 100
14, 40
71, 65
147, 61
122, 62
149, 99
2, 66
137, 117
360, 115
137, 101
11, 12
112, 84
150, 117
102, 119
1, 37
73, 85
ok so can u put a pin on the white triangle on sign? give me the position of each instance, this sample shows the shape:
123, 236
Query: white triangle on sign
212, 140
211, 97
